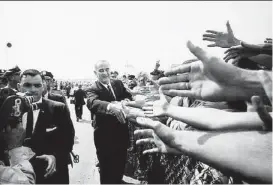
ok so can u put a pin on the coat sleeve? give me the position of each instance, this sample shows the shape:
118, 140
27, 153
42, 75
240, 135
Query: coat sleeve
95, 105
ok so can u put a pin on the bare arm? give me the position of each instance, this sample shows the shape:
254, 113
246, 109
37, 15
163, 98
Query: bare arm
213, 119
246, 153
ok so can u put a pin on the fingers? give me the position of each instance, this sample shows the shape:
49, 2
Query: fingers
262, 112
173, 79
146, 122
209, 35
144, 132
230, 56
121, 117
212, 31
184, 68
212, 45
176, 86
172, 93
150, 151
145, 141
209, 39
51, 168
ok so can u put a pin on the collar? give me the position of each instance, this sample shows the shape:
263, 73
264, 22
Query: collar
105, 85
46, 95
39, 101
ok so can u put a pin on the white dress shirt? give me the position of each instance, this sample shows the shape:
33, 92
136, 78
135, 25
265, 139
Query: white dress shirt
35, 117
105, 85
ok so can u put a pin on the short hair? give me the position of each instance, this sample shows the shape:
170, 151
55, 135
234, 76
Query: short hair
100, 61
31, 72
143, 74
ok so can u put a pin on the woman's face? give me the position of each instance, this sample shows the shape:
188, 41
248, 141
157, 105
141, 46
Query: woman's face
142, 81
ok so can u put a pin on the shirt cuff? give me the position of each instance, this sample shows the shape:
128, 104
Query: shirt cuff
108, 107
19, 154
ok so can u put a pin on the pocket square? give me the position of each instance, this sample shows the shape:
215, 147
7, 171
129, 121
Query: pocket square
51, 129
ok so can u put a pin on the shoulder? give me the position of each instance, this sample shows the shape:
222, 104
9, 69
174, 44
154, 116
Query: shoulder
52, 103
117, 82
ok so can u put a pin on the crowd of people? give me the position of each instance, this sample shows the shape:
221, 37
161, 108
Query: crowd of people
215, 110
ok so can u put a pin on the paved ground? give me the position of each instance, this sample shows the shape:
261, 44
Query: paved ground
86, 172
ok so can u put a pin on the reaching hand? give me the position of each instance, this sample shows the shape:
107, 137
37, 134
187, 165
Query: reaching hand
132, 112
155, 136
116, 110
157, 108
209, 79
51, 167
14, 137
268, 41
221, 39
247, 50
262, 112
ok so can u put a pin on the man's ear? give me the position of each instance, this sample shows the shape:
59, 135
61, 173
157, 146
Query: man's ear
19, 87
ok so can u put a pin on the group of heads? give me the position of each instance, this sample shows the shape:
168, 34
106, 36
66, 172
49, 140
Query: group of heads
10, 77
31, 81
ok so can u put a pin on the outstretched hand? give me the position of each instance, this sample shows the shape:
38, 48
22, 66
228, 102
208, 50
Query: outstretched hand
209, 79
156, 108
221, 39
158, 135
246, 50
262, 112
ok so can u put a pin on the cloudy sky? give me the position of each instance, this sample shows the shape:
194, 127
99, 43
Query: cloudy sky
67, 38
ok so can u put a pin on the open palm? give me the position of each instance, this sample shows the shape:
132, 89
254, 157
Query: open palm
221, 39
209, 79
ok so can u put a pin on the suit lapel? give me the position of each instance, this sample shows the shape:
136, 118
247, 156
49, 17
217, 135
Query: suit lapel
40, 120
114, 87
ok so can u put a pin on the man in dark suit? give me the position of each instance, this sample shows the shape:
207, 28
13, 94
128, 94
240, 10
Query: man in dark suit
50, 132
48, 85
111, 133
79, 96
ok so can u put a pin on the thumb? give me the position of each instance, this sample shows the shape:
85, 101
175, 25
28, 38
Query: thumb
41, 157
229, 30
161, 95
197, 51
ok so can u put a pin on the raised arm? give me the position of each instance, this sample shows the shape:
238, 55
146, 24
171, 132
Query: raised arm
205, 118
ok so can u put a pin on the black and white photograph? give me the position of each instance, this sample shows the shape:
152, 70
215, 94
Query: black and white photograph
136, 92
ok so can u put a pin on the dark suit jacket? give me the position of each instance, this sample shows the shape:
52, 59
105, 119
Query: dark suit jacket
79, 97
54, 132
60, 98
107, 127
57, 97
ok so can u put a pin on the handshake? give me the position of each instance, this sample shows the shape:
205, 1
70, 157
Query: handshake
126, 109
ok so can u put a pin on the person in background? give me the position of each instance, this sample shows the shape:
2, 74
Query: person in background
79, 96
48, 85
114, 75
132, 81
13, 77
3, 80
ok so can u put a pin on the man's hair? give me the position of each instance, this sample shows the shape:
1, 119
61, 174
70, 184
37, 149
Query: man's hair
31, 72
100, 61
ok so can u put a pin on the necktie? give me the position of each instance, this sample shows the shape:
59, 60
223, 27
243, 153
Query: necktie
29, 128
110, 91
